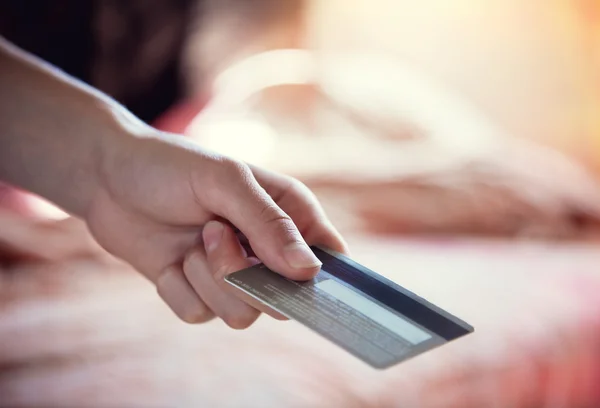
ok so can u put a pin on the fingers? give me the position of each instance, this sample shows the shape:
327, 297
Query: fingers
197, 292
205, 268
271, 232
225, 255
224, 252
175, 290
304, 208
300, 203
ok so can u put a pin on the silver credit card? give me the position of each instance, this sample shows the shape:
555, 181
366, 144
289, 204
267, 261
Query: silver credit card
368, 315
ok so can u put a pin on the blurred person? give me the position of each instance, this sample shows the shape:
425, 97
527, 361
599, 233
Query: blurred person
165, 205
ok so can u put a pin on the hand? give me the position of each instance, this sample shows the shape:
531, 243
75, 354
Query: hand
158, 195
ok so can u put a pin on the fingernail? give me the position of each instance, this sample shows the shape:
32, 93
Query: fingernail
212, 234
300, 256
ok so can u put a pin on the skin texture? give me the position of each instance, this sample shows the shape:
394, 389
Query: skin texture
146, 195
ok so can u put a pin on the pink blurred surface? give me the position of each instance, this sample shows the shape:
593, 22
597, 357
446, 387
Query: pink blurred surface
92, 333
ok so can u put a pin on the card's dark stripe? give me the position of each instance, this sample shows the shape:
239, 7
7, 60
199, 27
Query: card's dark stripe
392, 296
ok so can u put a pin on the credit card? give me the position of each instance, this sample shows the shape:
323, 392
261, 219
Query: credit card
373, 318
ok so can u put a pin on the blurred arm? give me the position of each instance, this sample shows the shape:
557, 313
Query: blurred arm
54, 130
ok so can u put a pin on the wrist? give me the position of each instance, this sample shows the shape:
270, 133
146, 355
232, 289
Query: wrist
129, 156
116, 152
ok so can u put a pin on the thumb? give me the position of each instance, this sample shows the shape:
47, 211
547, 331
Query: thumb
271, 233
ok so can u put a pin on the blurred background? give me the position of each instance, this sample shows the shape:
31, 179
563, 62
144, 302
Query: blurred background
455, 144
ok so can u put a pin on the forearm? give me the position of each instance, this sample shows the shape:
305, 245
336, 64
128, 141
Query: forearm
55, 131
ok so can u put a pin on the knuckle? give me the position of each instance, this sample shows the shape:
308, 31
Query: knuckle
220, 167
196, 313
280, 223
221, 270
160, 289
296, 188
240, 320
228, 178
186, 306
271, 214
219, 266
194, 259
233, 169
